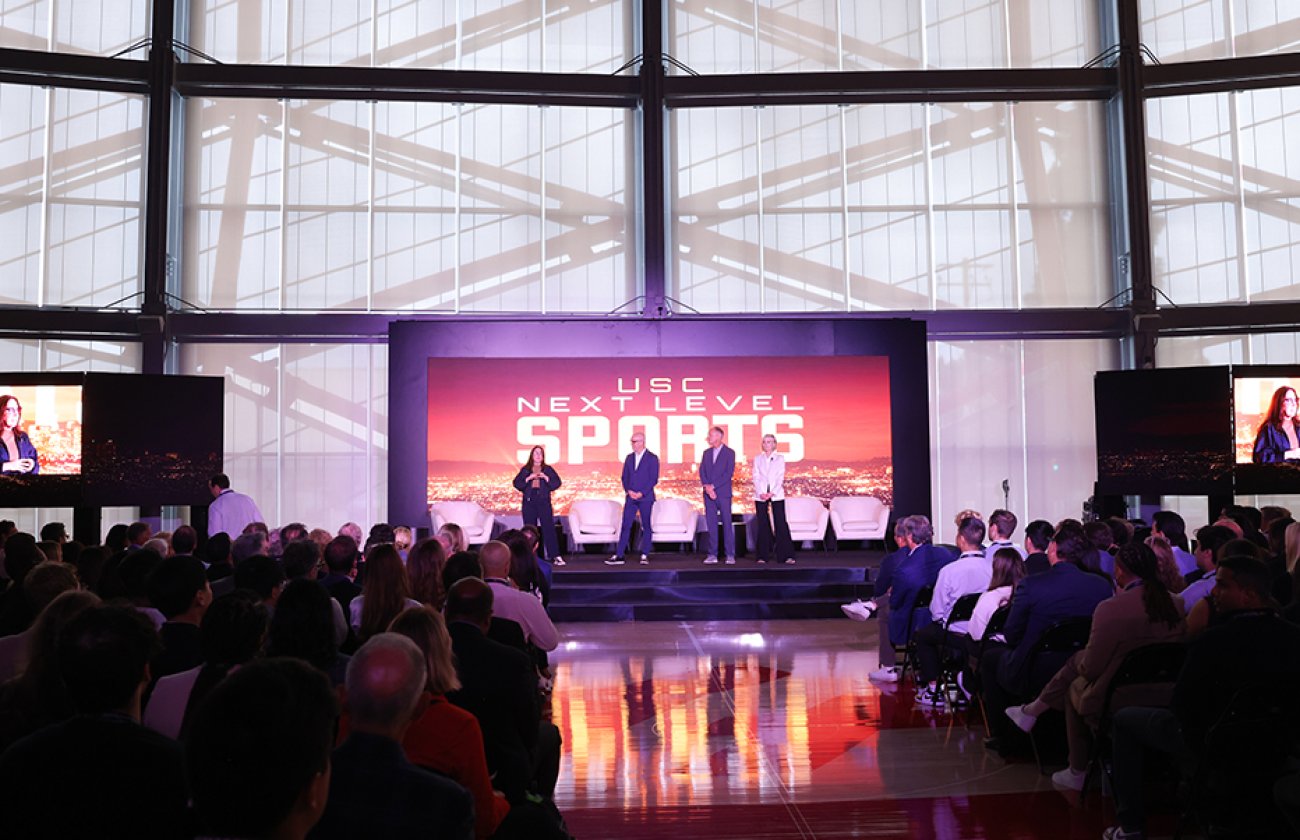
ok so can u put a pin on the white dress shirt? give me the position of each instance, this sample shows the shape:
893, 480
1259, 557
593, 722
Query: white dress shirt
769, 476
232, 512
969, 573
512, 604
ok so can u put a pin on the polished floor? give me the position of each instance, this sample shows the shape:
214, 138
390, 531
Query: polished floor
772, 730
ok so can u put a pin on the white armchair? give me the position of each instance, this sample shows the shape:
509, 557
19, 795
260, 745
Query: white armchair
807, 518
476, 522
859, 518
594, 521
674, 520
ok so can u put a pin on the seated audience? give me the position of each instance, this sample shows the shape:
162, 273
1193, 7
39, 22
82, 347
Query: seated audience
258, 752
41, 586
1209, 540
1038, 536
1040, 601
1002, 524
302, 561
249, 544
969, 574
179, 589
1171, 573
375, 791
37, 697
499, 687
128, 781
453, 538
424, 565
446, 738
263, 576
341, 570
915, 571
303, 627
133, 573
1143, 612
232, 633
385, 593
1008, 571
1205, 612
1251, 645
21, 556
511, 603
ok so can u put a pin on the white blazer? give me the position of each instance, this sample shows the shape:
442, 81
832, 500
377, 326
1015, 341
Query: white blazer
769, 476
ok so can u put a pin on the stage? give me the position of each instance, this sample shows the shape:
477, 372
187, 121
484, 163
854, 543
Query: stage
677, 587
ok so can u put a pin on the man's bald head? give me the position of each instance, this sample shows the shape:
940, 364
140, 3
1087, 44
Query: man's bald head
495, 559
384, 682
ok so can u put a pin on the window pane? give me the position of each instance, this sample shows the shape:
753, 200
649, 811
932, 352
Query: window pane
862, 223
592, 37
1036, 431
1194, 197
1270, 131
74, 240
305, 427
823, 35
454, 208
1197, 30
80, 26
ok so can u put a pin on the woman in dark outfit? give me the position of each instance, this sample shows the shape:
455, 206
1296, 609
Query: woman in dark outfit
537, 480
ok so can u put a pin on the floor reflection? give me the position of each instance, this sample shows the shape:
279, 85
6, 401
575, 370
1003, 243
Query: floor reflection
772, 730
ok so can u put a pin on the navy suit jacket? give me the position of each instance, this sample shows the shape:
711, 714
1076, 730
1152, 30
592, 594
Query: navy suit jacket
914, 572
641, 479
719, 474
1270, 445
1039, 601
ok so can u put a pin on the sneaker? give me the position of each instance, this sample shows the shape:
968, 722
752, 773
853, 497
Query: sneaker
731, 561
1071, 780
645, 561
710, 560
966, 693
761, 560
789, 561
1117, 832
558, 561
931, 698
1022, 719
614, 561
859, 610
886, 673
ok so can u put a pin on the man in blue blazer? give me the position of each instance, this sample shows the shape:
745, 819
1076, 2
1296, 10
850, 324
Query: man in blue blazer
716, 470
640, 475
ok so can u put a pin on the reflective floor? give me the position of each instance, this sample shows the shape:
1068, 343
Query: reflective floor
772, 730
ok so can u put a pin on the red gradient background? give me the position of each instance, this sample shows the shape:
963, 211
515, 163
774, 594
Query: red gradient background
474, 406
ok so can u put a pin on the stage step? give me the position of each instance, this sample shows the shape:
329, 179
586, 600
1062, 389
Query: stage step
702, 593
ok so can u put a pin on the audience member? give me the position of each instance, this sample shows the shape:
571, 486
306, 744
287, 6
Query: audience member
969, 574
514, 605
460, 565
1252, 645
1143, 612
915, 571
424, 565
499, 687
232, 633
127, 780
1008, 571
375, 791
258, 752
21, 556
90, 566
1039, 602
385, 593
179, 589
115, 540
452, 537
352, 530
341, 570
303, 627
302, 561
37, 697
1002, 524
137, 534
217, 555
1209, 540
249, 544
1171, 574
1038, 536
262, 575
134, 572
41, 586
51, 550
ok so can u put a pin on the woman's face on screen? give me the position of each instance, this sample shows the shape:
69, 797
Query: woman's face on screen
11, 413
538, 455
1289, 405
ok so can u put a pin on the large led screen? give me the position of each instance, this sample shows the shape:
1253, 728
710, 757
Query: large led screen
829, 414
1266, 427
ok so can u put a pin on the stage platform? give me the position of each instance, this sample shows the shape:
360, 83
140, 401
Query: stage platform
677, 587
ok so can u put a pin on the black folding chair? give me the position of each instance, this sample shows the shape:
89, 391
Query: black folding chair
1242, 755
1051, 650
996, 622
1150, 669
961, 610
922, 602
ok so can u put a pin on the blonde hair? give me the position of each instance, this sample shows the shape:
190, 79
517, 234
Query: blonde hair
1292, 545
1166, 564
402, 537
455, 536
428, 630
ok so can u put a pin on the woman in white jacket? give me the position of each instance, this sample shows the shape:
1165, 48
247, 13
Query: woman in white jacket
769, 498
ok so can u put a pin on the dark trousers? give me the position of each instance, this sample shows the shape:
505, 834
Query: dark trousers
719, 511
784, 546
539, 513
931, 649
631, 507
1137, 729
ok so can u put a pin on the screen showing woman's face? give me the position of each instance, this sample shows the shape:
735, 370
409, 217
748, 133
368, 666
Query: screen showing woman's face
11, 415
